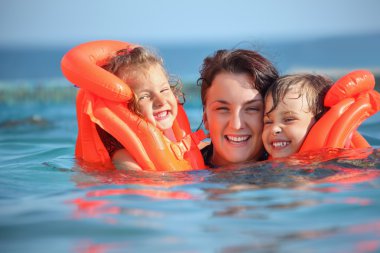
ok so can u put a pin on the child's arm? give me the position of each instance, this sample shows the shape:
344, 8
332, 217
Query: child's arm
122, 159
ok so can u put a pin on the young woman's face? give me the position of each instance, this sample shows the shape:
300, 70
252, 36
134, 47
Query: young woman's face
155, 98
286, 127
233, 115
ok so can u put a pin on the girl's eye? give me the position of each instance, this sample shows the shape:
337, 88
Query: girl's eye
289, 120
166, 90
143, 97
267, 121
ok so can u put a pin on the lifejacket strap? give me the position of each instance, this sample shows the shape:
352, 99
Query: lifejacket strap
181, 147
198, 136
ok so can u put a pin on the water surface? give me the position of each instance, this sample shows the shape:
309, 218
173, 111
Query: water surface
50, 202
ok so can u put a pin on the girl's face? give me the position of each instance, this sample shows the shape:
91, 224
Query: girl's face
233, 115
286, 127
155, 98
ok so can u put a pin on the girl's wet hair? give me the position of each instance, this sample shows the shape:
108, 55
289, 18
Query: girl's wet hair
313, 86
128, 62
237, 61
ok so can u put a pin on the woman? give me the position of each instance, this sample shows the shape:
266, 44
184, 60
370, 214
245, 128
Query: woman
233, 84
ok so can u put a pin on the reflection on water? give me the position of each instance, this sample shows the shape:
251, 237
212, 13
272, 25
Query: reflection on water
287, 205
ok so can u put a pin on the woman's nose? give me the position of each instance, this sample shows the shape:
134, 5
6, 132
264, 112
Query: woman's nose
236, 121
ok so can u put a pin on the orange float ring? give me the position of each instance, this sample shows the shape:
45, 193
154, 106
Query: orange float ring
102, 100
352, 99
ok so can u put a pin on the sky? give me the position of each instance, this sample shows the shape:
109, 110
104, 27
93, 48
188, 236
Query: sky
44, 23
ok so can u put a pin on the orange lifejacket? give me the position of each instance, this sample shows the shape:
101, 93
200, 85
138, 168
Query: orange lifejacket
102, 100
351, 100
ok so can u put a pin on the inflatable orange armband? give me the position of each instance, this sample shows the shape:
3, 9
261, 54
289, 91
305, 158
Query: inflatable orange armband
102, 100
352, 99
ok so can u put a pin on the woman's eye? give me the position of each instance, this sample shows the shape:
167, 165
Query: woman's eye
221, 109
253, 109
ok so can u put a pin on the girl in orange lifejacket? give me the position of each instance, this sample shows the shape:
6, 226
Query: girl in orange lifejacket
155, 99
297, 99
131, 108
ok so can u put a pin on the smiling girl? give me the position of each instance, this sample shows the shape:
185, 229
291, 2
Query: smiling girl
154, 99
292, 105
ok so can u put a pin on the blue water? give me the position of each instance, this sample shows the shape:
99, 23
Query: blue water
50, 202
332, 54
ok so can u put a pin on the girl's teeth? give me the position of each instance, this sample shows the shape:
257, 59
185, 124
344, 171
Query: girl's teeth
161, 114
280, 144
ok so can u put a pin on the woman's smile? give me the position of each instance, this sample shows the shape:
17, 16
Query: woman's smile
237, 139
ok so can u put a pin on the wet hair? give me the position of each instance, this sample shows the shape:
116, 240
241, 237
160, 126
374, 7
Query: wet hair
313, 86
237, 61
129, 62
